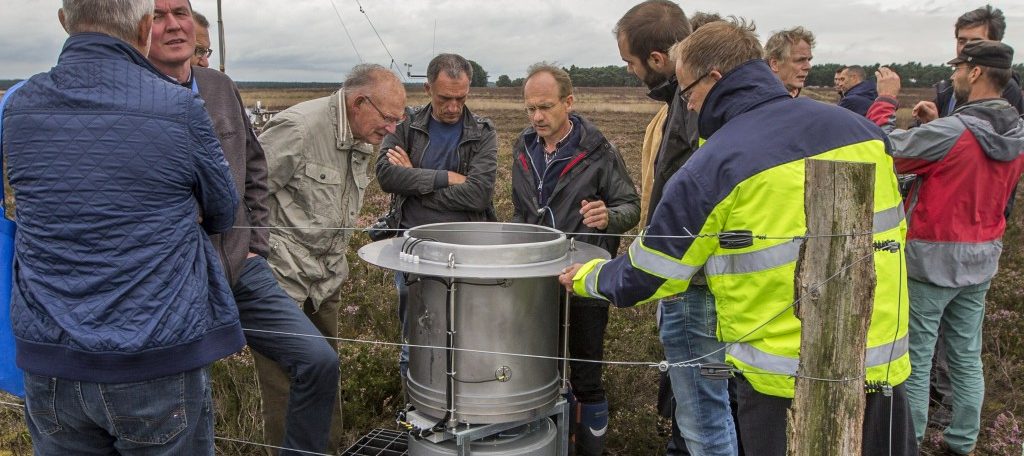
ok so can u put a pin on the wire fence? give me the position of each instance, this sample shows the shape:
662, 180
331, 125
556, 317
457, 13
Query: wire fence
662, 365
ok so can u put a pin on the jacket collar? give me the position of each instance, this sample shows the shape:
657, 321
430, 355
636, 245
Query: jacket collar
745, 88
665, 91
343, 132
90, 46
862, 87
590, 137
470, 127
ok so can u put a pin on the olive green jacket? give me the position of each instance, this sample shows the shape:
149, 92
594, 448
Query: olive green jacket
316, 179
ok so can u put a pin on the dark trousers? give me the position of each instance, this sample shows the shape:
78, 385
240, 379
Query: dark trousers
762, 422
274, 383
587, 322
311, 364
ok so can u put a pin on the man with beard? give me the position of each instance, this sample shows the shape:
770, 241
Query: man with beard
967, 163
702, 415
984, 23
758, 139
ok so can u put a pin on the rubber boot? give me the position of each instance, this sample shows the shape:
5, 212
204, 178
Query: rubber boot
591, 428
574, 415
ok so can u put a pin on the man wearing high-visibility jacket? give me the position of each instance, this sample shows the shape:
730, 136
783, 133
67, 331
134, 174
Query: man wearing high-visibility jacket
749, 176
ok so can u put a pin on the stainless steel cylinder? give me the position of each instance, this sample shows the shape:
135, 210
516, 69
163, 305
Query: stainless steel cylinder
503, 317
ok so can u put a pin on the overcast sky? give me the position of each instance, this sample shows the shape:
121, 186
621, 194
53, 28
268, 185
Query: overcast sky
303, 40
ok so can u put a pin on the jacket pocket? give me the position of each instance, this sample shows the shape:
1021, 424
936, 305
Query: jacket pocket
323, 186
150, 412
42, 394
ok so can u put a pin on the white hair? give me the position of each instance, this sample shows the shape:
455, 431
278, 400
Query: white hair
117, 18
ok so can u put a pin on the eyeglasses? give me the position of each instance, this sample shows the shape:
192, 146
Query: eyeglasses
203, 52
389, 119
684, 94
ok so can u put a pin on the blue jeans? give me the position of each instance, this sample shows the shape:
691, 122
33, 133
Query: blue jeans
311, 364
166, 416
702, 411
960, 313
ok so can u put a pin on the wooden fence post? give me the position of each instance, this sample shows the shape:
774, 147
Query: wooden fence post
834, 308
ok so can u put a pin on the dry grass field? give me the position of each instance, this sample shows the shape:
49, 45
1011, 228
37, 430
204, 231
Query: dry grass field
370, 379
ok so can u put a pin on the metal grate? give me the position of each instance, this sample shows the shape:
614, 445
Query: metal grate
380, 442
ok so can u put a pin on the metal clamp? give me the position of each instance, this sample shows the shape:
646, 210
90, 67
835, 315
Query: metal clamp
716, 371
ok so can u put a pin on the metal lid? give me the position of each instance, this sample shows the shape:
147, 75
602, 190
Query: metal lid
481, 250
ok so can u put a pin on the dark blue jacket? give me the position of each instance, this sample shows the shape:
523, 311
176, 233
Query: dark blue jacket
859, 98
112, 165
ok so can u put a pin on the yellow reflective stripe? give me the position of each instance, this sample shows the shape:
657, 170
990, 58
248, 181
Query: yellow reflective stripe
657, 263
782, 254
754, 357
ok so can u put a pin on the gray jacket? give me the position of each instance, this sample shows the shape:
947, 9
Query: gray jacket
248, 170
414, 187
317, 180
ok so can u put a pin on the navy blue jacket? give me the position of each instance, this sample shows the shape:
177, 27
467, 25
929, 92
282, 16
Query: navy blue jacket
859, 98
112, 164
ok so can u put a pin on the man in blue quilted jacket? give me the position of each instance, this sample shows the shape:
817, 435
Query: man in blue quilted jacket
119, 302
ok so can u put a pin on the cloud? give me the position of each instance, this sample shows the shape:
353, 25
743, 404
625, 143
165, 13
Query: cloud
303, 40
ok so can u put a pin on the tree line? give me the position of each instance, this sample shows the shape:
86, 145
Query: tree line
603, 76
913, 74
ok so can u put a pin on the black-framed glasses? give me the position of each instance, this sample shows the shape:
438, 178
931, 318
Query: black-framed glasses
389, 119
203, 52
685, 93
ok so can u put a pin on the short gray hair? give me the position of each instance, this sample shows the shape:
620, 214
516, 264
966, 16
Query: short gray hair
117, 18
453, 65
367, 75
779, 45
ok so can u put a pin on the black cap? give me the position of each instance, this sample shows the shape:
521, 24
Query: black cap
985, 53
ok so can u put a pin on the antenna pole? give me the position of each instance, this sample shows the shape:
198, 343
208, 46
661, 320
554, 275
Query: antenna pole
220, 31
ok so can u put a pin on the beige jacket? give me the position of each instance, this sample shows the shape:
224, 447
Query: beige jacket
649, 150
316, 179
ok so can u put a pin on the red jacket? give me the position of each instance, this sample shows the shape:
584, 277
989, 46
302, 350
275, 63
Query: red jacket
967, 165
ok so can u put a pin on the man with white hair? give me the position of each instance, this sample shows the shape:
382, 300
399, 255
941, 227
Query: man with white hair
119, 302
